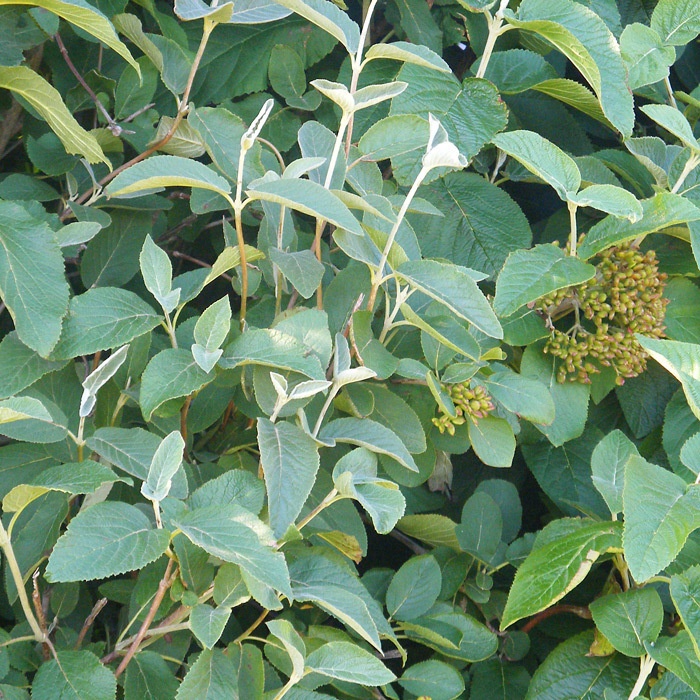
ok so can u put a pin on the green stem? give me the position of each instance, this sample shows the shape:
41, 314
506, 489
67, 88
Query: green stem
237, 213
692, 163
495, 30
573, 233
331, 498
12, 564
646, 666
329, 399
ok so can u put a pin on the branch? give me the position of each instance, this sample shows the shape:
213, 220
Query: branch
580, 610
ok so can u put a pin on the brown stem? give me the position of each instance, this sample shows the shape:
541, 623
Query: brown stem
242, 637
89, 621
40, 615
113, 126
197, 261
580, 610
183, 416
181, 112
163, 586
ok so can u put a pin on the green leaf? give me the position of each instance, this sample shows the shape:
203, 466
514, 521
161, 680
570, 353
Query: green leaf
166, 461
370, 434
583, 38
309, 198
171, 374
414, 588
681, 360
646, 56
326, 579
659, 212
673, 121
493, 441
348, 662
570, 399
660, 512
678, 656
75, 477
157, 172
98, 378
32, 281
676, 21
213, 676
454, 287
207, 623
531, 274
157, 272
575, 95
570, 671
286, 72
610, 199
407, 53
271, 348
434, 679
290, 460
108, 538
682, 322
74, 675
517, 70
188, 10
685, 592
482, 224
629, 619
78, 232
542, 158
608, 467
555, 568
481, 529
435, 530
26, 418
302, 269
418, 24
526, 397
499, 679
293, 644
235, 535
21, 366
148, 677
103, 318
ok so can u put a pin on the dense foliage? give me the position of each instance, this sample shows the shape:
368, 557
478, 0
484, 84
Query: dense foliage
350, 352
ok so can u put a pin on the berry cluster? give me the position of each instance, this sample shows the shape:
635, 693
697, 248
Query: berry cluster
473, 402
624, 298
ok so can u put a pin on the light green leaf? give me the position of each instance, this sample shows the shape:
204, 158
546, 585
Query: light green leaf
407, 53
302, 269
74, 675
99, 377
229, 258
629, 619
330, 18
434, 679
371, 95
309, 198
608, 467
542, 158
157, 272
166, 461
492, 440
103, 318
660, 511
107, 539
348, 662
171, 374
454, 287
682, 322
213, 676
646, 56
292, 642
46, 100
414, 588
685, 592
213, 325
207, 623
188, 10
435, 530
583, 38
552, 570
659, 212
235, 535
610, 199
157, 172
370, 434
271, 348
148, 677
289, 459
78, 232
676, 21
575, 95
32, 280
526, 397
678, 656
76, 477
682, 360
286, 72
673, 121
28, 419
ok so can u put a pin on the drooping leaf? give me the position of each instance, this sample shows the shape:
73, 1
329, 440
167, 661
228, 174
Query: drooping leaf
108, 538
408, 53
673, 121
290, 460
557, 567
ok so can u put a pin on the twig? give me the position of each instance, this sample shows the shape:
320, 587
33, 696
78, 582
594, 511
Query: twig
197, 261
40, 616
163, 586
89, 621
580, 610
